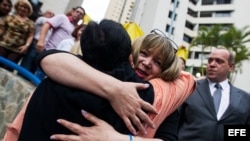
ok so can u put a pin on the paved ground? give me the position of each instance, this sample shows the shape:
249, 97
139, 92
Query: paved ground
13, 92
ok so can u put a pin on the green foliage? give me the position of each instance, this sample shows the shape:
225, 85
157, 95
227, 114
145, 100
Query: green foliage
208, 36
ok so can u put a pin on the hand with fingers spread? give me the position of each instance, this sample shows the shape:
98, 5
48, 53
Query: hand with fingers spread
104, 130
86, 133
131, 108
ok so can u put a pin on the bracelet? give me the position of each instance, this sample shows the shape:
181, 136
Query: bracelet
130, 137
27, 45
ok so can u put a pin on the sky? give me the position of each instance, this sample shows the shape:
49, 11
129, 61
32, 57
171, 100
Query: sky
95, 8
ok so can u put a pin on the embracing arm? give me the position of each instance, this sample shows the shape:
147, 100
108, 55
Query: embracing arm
122, 95
104, 130
76, 73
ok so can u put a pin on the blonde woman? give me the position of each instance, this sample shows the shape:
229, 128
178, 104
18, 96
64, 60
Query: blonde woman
16, 32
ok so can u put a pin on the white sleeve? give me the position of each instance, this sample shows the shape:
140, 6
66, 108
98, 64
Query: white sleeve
65, 44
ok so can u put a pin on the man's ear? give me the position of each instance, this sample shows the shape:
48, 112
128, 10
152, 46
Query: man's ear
131, 61
232, 67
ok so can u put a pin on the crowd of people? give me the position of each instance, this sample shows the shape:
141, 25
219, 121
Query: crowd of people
22, 39
100, 86
17, 32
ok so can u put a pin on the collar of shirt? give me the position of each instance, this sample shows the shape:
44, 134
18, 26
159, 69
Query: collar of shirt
224, 84
70, 19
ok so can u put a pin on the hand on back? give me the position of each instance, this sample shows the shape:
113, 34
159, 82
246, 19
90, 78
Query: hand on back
131, 108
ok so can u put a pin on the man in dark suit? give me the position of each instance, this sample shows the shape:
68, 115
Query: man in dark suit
199, 119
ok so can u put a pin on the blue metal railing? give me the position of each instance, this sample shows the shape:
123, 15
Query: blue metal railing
35, 80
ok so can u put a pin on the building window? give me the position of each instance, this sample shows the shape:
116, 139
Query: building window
167, 29
170, 15
200, 55
206, 14
190, 55
177, 5
223, 14
187, 39
193, 1
192, 13
207, 2
223, 26
223, 1
189, 25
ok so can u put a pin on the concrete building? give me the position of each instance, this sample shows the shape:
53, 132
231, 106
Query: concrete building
120, 10
180, 20
60, 6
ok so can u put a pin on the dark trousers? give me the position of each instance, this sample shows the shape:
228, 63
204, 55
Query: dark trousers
28, 61
11, 55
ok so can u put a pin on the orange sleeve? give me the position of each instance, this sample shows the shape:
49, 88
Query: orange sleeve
169, 96
13, 129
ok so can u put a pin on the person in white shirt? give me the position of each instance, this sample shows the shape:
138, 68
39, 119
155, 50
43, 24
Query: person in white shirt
28, 61
67, 44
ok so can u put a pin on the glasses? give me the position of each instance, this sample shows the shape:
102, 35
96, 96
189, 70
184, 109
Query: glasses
159, 32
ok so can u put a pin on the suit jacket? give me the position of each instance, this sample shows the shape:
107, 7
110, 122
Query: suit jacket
198, 120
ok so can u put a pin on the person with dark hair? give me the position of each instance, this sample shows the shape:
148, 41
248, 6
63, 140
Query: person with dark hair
67, 44
28, 61
62, 27
16, 33
36, 5
5, 7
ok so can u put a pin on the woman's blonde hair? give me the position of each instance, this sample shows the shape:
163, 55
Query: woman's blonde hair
171, 66
25, 2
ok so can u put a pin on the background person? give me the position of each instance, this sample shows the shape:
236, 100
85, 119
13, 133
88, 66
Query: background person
76, 48
199, 119
28, 61
5, 7
62, 26
16, 32
67, 44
